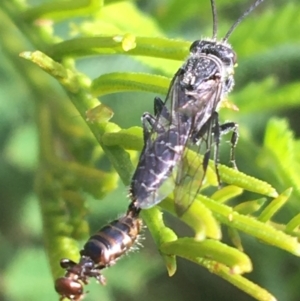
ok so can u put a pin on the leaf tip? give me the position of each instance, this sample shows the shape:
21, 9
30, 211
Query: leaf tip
297, 250
171, 265
273, 193
199, 236
26, 55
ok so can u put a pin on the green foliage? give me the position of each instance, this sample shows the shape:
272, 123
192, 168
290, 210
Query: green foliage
82, 153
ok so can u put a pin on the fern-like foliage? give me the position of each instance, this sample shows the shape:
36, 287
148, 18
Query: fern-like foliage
72, 165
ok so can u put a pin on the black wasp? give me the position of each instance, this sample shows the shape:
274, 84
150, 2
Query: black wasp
188, 116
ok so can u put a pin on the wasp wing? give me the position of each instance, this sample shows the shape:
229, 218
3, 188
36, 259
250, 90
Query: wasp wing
165, 136
184, 118
204, 119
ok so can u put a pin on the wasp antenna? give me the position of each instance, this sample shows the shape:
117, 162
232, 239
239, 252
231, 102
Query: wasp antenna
215, 19
239, 20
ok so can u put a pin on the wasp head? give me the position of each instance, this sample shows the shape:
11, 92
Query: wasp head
222, 50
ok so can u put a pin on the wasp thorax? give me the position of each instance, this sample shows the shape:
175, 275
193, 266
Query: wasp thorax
222, 50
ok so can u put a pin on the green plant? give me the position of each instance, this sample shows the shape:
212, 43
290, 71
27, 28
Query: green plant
71, 162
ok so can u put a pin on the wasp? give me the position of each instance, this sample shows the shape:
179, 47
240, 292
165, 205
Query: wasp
188, 117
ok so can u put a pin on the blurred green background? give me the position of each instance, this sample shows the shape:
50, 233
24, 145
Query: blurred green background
267, 85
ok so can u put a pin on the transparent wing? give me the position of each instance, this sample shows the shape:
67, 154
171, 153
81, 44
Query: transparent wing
165, 137
192, 167
184, 118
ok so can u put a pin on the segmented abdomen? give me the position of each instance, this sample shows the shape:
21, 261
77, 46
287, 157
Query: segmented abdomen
155, 167
112, 241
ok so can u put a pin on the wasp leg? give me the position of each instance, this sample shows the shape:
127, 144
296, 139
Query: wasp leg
217, 133
158, 105
234, 128
148, 122
210, 130
152, 123
160, 109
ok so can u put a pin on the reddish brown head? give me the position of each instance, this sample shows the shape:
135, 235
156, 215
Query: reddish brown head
69, 287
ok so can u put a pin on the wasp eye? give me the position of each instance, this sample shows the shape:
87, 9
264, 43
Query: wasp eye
196, 46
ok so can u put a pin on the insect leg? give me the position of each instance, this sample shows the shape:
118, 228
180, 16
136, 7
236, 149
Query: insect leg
231, 127
67, 263
210, 130
158, 105
153, 123
217, 132
148, 122
160, 109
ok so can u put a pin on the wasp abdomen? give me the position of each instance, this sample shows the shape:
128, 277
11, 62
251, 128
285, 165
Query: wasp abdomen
155, 167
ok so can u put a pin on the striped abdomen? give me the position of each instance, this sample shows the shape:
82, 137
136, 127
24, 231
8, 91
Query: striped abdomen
102, 250
152, 180
112, 241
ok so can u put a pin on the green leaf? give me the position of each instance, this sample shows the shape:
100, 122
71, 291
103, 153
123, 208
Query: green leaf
249, 207
198, 217
274, 206
145, 46
120, 82
281, 157
161, 234
190, 249
61, 10
130, 139
251, 226
226, 193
